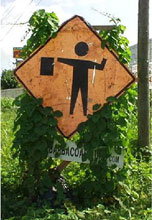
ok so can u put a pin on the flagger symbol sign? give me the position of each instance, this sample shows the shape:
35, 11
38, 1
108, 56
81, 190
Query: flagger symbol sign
72, 73
80, 73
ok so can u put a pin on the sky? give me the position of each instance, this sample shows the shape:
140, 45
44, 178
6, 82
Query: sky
15, 12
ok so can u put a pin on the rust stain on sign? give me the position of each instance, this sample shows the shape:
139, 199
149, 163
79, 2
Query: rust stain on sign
71, 72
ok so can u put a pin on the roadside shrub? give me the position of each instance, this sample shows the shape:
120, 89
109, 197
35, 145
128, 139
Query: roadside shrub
8, 80
6, 104
35, 132
107, 129
10, 169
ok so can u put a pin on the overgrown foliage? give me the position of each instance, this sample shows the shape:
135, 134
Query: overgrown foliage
8, 80
35, 128
130, 198
105, 130
42, 25
116, 40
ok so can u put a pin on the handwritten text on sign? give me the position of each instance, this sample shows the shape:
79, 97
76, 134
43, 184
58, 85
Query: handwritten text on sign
72, 153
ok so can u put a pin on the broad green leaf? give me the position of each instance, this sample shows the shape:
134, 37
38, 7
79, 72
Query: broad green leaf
96, 107
58, 114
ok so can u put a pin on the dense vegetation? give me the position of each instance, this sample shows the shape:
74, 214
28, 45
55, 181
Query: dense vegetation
8, 80
41, 26
120, 194
32, 188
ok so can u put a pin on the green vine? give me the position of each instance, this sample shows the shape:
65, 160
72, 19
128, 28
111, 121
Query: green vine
35, 132
105, 130
42, 25
116, 41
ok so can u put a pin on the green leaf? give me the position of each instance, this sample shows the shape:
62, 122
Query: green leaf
53, 121
88, 136
37, 117
111, 99
58, 114
102, 125
81, 126
95, 117
53, 15
96, 107
46, 111
103, 44
106, 111
41, 129
40, 101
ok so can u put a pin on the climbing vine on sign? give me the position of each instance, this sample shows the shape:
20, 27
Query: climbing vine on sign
35, 132
105, 130
116, 41
41, 26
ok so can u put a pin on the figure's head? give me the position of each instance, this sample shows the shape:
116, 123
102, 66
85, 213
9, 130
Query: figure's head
81, 49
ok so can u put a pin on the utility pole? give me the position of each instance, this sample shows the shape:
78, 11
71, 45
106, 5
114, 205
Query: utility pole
143, 74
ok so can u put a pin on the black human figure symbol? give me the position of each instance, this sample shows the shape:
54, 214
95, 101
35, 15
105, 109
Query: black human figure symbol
80, 75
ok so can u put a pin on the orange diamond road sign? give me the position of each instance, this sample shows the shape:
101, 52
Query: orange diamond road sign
71, 72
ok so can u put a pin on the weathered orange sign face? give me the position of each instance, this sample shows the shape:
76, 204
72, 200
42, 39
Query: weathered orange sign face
72, 73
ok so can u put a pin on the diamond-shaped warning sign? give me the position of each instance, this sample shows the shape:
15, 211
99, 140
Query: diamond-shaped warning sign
71, 72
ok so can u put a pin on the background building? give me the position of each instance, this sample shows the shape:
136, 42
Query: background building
133, 63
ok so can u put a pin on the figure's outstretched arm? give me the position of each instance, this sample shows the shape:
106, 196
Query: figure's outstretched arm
70, 62
100, 66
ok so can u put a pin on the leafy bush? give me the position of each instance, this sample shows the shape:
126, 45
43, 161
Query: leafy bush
7, 104
116, 41
35, 132
108, 128
8, 80
42, 25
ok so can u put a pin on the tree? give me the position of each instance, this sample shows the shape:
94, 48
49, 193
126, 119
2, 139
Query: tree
8, 80
143, 83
